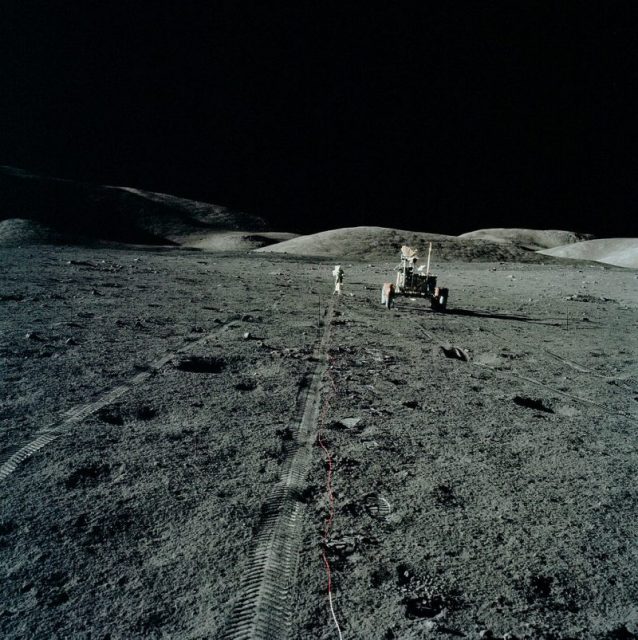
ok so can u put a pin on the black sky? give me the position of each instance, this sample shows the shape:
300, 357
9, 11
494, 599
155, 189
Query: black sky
446, 118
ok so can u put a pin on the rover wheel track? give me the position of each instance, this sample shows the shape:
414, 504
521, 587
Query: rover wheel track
263, 609
81, 412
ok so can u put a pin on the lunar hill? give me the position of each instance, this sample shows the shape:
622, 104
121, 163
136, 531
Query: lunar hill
532, 239
621, 252
370, 243
36, 209
18, 232
236, 240
119, 214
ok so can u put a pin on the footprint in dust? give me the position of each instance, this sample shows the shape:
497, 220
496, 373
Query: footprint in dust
377, 506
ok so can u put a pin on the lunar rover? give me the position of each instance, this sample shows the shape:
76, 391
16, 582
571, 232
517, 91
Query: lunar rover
413, 282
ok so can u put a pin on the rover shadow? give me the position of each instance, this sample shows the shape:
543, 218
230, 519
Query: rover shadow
556, 321
501, 316
478, 313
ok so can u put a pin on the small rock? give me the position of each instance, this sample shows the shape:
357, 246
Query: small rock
247, 335
32, 335
394, 518
70, 341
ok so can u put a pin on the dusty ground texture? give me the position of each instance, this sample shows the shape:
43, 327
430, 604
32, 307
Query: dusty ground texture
477, 496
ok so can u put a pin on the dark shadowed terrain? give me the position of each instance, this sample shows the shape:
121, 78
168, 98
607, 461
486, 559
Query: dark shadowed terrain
77, 210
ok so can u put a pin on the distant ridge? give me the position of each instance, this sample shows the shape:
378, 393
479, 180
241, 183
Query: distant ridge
532, 239
120, 214
621, 252
237, 240
382, 243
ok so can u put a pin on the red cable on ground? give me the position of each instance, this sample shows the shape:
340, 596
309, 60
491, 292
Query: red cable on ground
331, 501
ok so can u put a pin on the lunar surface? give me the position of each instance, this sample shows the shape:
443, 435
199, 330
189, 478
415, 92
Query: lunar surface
192, 443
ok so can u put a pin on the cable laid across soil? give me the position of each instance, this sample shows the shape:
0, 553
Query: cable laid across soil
263, 609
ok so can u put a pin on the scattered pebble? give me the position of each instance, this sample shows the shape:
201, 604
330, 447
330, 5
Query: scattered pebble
349, 423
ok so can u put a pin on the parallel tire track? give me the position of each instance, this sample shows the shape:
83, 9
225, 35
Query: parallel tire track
263, 609
80, 412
